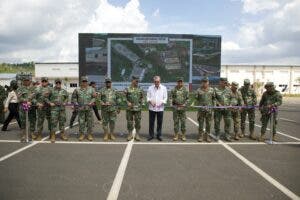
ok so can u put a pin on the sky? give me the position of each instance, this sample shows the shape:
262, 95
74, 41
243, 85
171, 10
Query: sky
253, 31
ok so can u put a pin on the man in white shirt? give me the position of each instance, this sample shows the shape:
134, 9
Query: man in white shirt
157, 96
12, 104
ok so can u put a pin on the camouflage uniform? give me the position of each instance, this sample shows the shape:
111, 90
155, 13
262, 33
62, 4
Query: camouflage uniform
179, 98
2, 98
109, 100
236, 100
223, 98
58, 99
135, 96
205, 98
42, 98
34, 108
250, 99
269, 100
84, 98
26, 94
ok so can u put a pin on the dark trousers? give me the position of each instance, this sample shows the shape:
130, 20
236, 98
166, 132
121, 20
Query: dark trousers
96, 112
73, 117
13, 113
152, 116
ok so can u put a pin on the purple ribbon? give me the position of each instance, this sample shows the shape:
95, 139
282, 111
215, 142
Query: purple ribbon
273, 109
224, 107
25, 106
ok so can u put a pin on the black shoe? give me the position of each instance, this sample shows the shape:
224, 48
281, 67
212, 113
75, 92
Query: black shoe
150, 138
228, 139
4, 129
159, 138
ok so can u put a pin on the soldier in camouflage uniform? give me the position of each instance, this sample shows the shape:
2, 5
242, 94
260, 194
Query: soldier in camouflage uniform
26, 95
109, 100
179, 98
236, 100
43, 106
34, 107
205, 96
58, 99
134, 97
2, 98
269, 103
250, 99
223, 98
84, 99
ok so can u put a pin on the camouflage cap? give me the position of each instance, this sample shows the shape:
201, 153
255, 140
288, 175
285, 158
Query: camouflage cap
204, 79
269, 84
57, 80
246, 82
235, 84
26, 78
134, 78
107, 80
44, 79
223, 79
13, 82
180, 78
84, 78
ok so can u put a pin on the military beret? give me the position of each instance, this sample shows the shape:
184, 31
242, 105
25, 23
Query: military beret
223, 79
204, 79
180, 78
246, 82
84, 78
235, 84
269, 84
107, 80
134, 78
44, 79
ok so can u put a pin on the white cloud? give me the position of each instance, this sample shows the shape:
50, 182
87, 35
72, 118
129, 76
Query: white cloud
229, 45
255, 6
109, 18
156, 13
272, 40
48, 30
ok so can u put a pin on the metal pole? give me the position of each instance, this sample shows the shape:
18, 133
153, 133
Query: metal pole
27, 126
271, 127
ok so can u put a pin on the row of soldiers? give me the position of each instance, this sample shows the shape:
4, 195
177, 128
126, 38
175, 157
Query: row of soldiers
230, 103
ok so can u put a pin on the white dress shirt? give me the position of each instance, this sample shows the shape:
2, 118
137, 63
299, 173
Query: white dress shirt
12, 98
157, 96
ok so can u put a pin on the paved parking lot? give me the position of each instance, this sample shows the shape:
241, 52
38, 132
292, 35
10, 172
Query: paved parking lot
244, 169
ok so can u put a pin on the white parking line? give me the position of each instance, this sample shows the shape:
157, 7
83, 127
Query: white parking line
8, 124
266, 176
26, 147
288, 120
116, 186
84, 142
280, 133
10, 141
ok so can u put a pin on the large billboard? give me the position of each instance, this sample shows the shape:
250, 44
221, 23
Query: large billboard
120, 56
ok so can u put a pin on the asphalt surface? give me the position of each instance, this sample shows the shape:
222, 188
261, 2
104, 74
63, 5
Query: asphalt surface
154, 170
